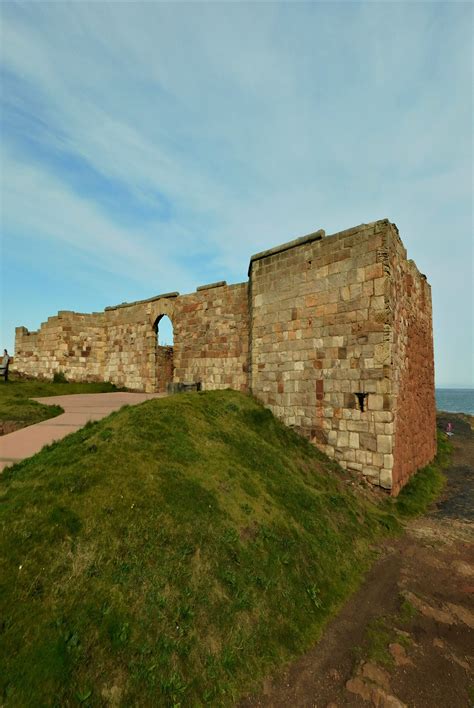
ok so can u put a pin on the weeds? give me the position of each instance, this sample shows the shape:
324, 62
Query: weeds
59, 378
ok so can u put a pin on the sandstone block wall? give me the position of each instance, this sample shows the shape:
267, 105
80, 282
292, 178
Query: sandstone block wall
68, 342
132, 349
164, 368
341, 353
413, 400
333, 334
120, 345
211, 333
320, 339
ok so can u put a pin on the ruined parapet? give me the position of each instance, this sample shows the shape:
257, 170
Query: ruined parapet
70, 342
119, 344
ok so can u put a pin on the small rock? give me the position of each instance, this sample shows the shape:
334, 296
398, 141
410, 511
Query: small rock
373, 693
403, 633
380, 699
429, 611
376, 674
438, 643
399, 654
462, 614
334, 674
359, 687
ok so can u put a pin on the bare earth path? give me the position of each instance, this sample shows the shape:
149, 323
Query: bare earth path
406, 638
78, 410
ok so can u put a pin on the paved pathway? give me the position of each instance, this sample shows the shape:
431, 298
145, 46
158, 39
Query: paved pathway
78, 410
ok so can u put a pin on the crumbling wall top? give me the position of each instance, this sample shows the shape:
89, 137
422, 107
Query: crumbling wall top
309, 238
142, 302
210, 286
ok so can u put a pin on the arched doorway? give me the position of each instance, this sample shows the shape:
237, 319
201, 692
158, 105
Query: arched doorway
164, 352
164, 331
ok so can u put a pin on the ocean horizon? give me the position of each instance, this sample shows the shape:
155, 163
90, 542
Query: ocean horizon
455, 400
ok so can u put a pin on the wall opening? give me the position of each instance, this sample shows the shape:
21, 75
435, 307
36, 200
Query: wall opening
164, 353
164, 331
361, 400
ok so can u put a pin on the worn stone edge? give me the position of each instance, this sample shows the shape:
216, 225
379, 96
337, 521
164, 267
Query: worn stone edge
315, 236
209, 286
141, 302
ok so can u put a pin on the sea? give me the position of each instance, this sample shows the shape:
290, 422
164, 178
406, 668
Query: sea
455, 400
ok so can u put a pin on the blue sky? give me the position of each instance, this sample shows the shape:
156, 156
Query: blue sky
149, 147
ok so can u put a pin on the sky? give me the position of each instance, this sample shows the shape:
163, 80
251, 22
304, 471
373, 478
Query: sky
153, 147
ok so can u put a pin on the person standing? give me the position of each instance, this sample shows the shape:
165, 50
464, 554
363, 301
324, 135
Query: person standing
5, 362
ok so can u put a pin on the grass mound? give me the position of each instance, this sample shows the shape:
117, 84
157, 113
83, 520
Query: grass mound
171, 554
16, 404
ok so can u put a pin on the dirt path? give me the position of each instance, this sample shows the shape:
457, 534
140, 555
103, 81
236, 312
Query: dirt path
406, 638
78, 410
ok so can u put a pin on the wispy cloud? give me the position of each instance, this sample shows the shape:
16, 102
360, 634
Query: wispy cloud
163, 143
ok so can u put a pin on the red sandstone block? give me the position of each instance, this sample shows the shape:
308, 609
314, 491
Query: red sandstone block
374, 271
191, 307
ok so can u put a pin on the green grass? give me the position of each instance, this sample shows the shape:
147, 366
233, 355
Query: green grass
385, 630
16, 404
174, 551
425, 486
379, 634
172, 554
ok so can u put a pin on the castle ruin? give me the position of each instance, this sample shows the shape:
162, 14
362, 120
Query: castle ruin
332, 333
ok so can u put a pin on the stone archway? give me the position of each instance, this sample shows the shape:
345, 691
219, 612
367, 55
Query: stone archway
161, 307
164, 353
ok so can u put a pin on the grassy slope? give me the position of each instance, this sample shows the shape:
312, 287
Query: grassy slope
171, 554
425, 486
15, 403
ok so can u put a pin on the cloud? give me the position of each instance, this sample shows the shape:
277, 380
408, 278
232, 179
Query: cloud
42, 205
166, 142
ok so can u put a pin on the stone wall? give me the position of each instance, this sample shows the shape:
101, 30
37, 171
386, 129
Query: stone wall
333, 334
70, 342
164, 368
119, 345
320, 335
211, 337
413, 400
131, 346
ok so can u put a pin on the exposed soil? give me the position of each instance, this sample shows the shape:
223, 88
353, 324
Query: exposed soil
406, 638
9, 426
